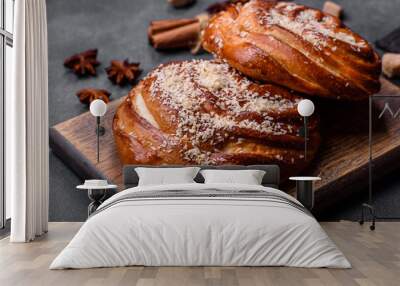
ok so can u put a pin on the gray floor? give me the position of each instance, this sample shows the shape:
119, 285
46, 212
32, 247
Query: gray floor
118, 29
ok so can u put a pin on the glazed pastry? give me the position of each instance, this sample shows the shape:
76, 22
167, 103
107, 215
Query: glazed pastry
295, 46
205, 112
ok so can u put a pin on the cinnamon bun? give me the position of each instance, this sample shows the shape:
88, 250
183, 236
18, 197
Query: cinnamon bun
205, 112
295, 46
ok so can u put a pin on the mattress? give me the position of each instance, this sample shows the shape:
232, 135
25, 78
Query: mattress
201, 225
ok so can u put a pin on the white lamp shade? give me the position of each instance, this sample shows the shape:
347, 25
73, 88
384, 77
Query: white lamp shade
98, 107
305, 107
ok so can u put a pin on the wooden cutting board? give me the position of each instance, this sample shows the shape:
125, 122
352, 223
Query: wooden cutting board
342, 162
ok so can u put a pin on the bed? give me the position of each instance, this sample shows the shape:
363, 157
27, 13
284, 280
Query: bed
197, 224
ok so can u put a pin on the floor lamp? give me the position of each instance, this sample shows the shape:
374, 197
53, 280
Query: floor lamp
369, 206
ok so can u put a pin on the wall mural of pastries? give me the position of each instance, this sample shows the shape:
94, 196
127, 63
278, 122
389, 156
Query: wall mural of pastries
234, 102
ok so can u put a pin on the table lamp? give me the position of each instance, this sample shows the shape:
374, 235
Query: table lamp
98, 108
305, 108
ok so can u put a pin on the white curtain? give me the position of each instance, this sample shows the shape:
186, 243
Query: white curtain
27, 124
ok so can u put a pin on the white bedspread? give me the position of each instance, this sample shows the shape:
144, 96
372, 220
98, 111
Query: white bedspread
187, 231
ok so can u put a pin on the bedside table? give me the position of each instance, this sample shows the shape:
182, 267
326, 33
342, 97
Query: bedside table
305, 192
96, 195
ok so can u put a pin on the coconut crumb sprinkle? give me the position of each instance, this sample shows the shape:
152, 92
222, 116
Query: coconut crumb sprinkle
308, 24
188, 87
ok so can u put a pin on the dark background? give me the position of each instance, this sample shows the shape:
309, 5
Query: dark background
118, 29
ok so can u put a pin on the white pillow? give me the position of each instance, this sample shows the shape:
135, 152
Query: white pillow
165, 176
248, 177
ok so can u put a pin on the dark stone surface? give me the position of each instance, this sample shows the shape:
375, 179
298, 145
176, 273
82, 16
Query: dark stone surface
118, 29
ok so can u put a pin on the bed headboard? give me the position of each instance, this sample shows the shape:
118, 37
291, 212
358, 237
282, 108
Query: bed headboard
271, 177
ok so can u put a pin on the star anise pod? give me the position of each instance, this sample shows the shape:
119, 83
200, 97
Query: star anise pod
122, 72
84, 63
220, 6
87, 95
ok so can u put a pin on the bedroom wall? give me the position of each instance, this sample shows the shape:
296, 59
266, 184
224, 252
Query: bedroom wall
118, 29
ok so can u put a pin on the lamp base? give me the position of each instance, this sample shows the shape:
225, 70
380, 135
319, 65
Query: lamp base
372, 213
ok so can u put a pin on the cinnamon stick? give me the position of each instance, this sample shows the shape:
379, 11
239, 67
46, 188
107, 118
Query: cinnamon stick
180, 3
168, 24
175, 33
